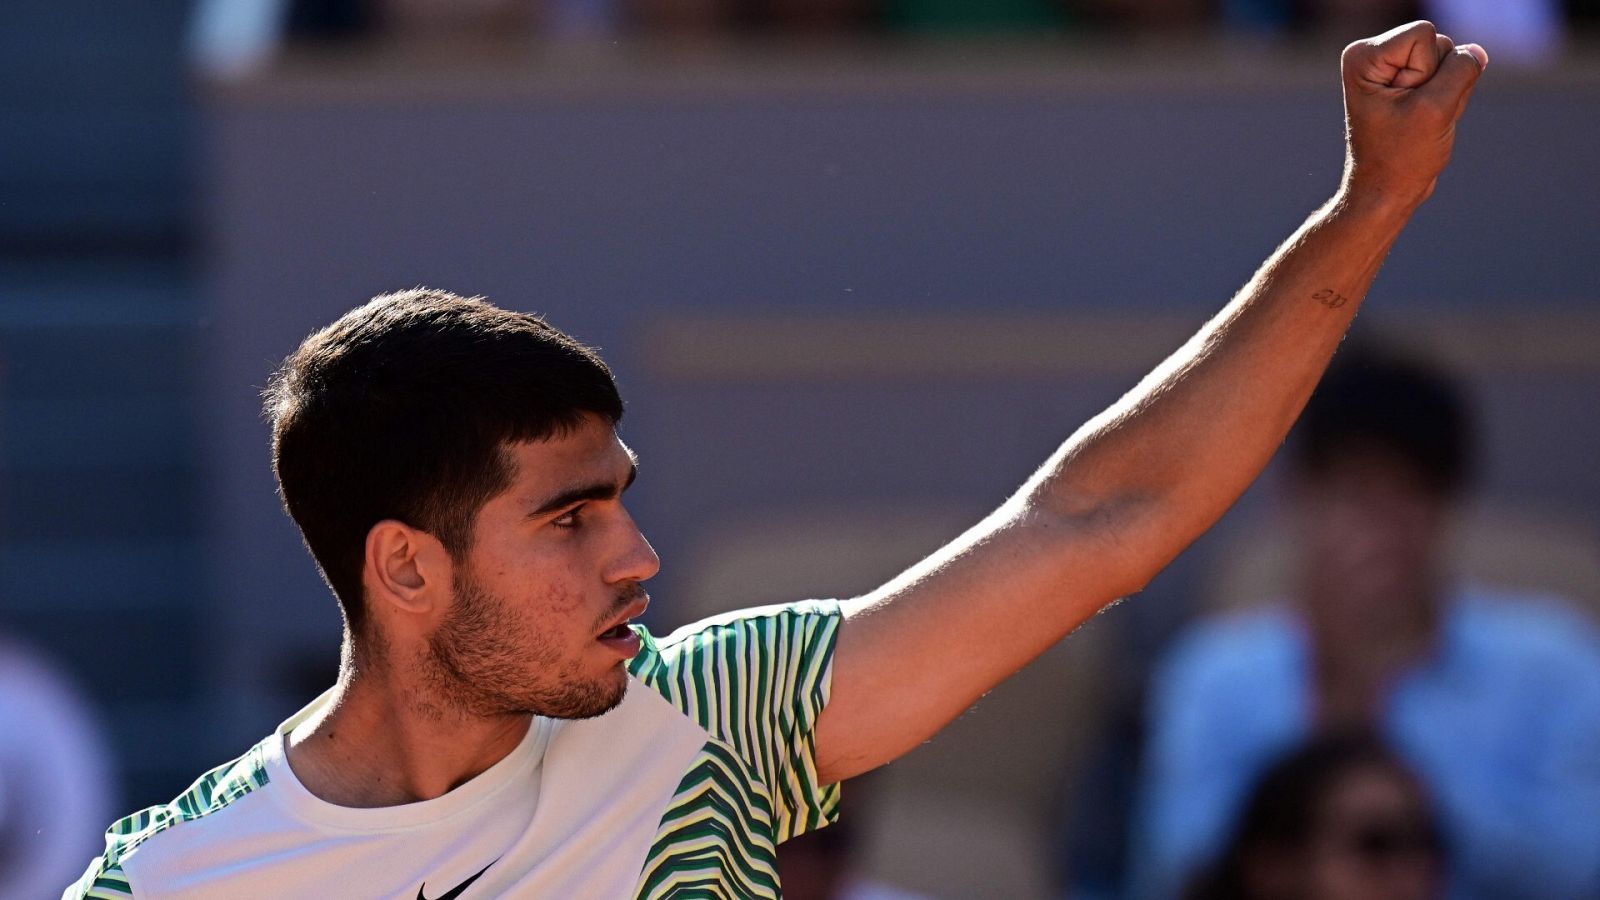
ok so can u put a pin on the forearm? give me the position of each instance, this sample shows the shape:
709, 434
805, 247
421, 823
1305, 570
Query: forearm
1128, 491
1163, 463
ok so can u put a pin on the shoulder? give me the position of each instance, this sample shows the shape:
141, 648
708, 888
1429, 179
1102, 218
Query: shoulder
211, 792
737, 643
1525, 630
770, 622
757, 680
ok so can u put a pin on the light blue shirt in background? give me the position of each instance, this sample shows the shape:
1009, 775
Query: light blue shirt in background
1502, 724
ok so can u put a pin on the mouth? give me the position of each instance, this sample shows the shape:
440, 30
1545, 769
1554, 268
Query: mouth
621, 638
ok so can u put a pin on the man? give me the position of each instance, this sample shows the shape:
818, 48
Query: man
455, 472
1493, 699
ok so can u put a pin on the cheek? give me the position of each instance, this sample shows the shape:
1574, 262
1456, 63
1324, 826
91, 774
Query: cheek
543, 579
560, 600
550, 591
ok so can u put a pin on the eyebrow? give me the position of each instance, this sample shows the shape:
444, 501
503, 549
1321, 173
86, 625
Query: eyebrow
600, 490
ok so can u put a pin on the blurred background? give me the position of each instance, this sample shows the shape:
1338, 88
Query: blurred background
859, 266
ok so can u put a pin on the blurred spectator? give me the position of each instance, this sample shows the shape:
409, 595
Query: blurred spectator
1494, 700
953, 16
235, 35
1152, 15
1520, 31
56, 789
1340, 818
1528, 32
1348, 19
446, 19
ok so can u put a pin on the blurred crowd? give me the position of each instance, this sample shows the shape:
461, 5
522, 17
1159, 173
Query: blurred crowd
706, 16
1520, 29
1385, 729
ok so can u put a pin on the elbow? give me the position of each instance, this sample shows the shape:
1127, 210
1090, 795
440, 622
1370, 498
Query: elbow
1116, 542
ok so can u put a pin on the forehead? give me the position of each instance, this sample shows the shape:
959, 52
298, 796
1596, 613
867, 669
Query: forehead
590, 452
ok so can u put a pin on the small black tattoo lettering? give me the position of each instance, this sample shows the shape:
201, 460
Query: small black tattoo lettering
1330, 299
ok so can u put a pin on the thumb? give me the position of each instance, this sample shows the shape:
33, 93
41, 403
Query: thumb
1458, 72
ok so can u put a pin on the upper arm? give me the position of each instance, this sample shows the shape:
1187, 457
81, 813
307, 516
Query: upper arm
917, 652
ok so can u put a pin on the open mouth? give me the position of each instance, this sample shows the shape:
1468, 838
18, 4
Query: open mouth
620, 640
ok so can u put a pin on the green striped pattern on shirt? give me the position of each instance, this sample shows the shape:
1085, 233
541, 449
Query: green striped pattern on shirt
756, 681
105, 879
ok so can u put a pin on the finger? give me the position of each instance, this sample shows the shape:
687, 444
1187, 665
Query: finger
1419, 67
1453, 83
1420, 30
1421, 49
1403, 57
1442, 45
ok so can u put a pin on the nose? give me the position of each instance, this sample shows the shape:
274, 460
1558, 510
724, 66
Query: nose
635, 559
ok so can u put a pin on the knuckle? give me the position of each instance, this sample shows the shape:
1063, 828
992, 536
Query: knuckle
1421, 28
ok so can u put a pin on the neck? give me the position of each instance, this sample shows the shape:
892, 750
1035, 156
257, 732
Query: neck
1351, 616
379, 742
1360, 648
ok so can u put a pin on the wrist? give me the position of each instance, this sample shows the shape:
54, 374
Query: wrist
1382, 207
1379, 198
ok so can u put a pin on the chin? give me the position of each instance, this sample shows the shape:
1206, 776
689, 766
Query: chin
590, 700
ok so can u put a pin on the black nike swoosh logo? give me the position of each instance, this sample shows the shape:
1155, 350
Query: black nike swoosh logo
455, 892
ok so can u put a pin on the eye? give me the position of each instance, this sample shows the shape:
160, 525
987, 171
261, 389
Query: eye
568, 519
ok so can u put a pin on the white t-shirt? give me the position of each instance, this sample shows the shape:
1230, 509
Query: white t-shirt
692, 780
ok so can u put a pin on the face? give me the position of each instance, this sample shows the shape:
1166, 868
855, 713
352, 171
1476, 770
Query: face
537, 621
1373, 841
1371, 532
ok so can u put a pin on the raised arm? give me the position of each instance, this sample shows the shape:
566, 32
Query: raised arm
1137, 483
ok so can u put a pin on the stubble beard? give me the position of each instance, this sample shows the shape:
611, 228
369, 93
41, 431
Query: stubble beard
482, 663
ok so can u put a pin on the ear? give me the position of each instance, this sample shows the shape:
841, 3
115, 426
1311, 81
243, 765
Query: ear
405, 569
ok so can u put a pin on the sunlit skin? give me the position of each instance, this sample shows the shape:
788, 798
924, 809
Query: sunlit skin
1122, 496
555, 561
1134, 486
471, 647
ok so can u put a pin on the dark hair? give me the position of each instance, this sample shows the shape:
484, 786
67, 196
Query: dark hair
1281, 813
401, 410
1375, 398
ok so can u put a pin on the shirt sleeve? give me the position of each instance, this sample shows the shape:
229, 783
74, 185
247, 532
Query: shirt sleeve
100, 882
1505, 731
757, 680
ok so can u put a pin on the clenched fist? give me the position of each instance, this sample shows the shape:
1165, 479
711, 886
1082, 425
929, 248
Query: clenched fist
1403, 92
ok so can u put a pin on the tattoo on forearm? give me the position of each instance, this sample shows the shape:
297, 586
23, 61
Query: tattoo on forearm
1330, 299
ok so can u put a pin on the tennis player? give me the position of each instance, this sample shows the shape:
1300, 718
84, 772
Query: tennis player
499, 728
